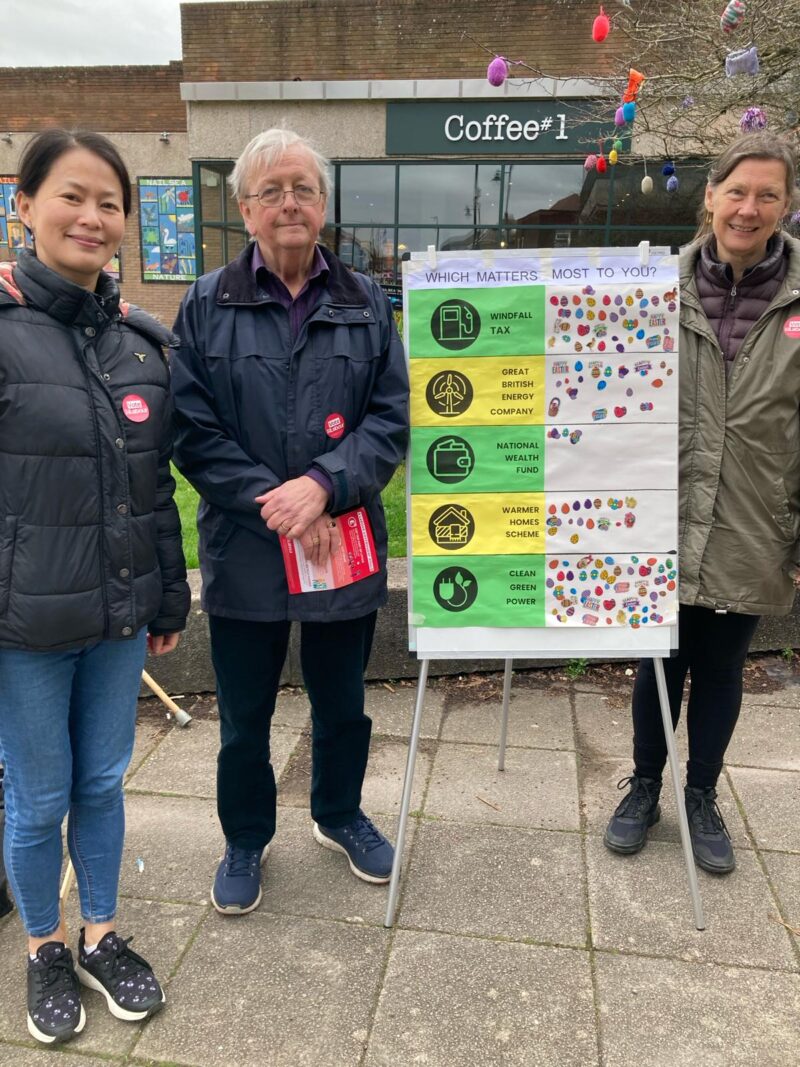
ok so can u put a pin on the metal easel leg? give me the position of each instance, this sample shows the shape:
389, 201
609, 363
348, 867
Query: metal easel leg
408, 782
683, 822
501, 755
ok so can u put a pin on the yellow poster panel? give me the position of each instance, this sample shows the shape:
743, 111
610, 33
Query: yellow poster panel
478, 392
490, 524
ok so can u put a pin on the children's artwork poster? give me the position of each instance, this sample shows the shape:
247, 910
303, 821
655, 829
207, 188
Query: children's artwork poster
542, 474
166, 222
114, 266
13, 234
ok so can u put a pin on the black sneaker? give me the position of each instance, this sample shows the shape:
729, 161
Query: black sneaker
125, 979
369, 853
55, 1011
637, 812
711, 842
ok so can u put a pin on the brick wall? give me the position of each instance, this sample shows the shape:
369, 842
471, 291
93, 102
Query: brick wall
100, 98
355, 39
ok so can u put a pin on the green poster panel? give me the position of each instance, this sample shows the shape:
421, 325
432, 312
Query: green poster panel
478, 459
493, 591
500, 321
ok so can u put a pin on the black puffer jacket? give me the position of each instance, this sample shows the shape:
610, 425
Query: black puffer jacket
90, 542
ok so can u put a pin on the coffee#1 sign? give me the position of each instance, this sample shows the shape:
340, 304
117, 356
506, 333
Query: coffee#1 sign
543, 468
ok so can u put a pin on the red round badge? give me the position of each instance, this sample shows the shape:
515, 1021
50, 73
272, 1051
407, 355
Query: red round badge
792, 327
135, 408
334, 425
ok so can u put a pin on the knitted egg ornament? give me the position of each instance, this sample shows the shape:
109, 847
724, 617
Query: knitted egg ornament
613, 156
731, 18
602, 166
743, 61
497, 71
647, 184
753, 119
590, 162
672, 184
668, 168
600, 27
618, 145
619, 117
629, 110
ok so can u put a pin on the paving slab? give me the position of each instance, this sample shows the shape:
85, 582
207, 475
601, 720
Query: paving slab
641, 904
17, 1056
538, 788
162, 933
148, 735
292, 709
452, 1000
301, 877
392, 713
771, 800
784, 870
287, 993
185, 763
600, 796
178, 840
605, 730
497, 882
537, 718
785, 697
670, 1014
766, 736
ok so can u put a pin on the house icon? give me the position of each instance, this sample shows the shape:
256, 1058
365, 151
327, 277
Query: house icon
451, 526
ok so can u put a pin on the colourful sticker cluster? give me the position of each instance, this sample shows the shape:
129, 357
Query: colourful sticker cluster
544, 422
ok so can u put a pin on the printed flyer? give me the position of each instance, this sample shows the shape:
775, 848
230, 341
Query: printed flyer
543, 462
355, 559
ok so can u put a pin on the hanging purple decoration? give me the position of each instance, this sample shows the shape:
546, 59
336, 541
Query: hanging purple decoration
731, 18
619, 117
497, 71
753, 119
672, 184
742, 61
688, 101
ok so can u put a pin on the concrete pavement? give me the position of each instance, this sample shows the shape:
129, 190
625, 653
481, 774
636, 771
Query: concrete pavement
520, 939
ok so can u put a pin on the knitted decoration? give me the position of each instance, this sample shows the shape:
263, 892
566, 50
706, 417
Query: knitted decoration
672, 184
613, 156
618, 146
635, 80
602, 166
731, 18
619, 117
668, 168
600, 27
629, 110
647, 184
590, 162
743, 61
753, 119
497, 71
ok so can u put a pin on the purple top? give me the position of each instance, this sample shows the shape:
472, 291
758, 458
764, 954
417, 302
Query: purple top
299, 308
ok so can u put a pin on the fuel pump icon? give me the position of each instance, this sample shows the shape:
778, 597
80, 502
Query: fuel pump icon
455, 324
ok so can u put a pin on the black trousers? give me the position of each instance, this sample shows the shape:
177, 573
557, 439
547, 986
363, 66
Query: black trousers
248, 658
712, 650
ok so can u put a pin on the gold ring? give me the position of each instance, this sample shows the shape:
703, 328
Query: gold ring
331, 524
286, 524
314, 540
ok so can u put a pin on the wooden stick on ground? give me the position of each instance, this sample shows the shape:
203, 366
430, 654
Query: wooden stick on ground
183, 718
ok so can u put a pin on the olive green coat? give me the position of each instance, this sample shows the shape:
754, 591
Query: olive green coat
739, 455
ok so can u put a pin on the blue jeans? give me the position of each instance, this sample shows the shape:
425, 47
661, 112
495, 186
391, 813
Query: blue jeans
67, 722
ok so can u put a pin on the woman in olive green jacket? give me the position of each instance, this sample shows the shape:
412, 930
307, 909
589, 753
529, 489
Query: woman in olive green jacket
739, 480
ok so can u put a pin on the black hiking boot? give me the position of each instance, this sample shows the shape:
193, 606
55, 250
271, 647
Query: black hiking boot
711, 842
637, 812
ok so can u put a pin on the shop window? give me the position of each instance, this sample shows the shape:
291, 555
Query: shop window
364, 194
451, 194
537, 194
659, 208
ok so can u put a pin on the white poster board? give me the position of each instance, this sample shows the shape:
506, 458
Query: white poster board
542, 477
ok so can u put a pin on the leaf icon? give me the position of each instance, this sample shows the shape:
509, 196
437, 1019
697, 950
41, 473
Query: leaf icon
459, 578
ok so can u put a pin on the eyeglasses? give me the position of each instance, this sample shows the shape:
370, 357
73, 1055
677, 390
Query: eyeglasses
274, 196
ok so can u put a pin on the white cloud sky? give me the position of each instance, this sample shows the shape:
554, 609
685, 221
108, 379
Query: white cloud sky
79, 33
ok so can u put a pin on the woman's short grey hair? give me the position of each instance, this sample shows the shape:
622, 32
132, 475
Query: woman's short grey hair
265, 150
759, 145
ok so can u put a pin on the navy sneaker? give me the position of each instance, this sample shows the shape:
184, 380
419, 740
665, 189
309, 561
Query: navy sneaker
237, 886
125, 979
369, 853
55, 1011
636, 813
711, 842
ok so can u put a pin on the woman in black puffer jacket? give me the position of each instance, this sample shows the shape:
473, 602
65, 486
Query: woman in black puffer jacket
91, 566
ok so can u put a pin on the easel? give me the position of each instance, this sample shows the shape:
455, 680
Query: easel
408, 781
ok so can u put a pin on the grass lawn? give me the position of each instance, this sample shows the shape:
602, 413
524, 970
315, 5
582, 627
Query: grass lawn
394, 501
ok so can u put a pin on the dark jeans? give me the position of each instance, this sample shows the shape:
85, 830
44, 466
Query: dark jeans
712, 650
248, 658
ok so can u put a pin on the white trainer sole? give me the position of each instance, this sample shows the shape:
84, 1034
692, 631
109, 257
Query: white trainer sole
49, 1039
232, 909
118, 1012
334, 846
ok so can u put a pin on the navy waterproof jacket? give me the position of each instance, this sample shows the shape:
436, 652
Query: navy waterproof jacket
251, 411
90, 538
